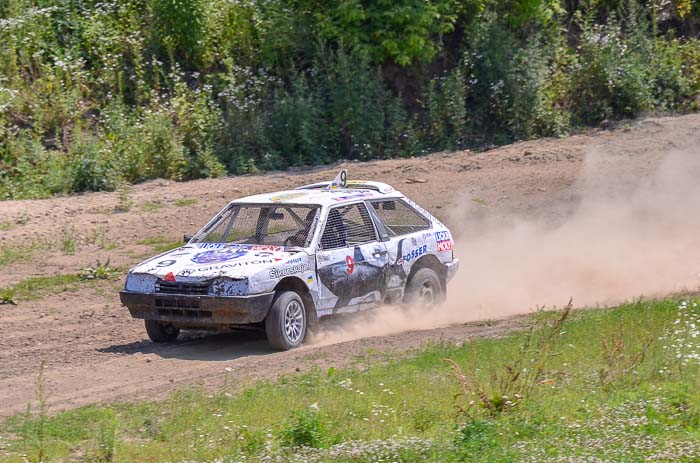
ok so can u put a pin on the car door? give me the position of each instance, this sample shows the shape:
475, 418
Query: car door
351, 261
406, 235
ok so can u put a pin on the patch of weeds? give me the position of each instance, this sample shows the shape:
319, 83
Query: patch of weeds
620, 361
10, 253
509, 385
424, 418
101, 271
6, 225
7, 296
477, 436
68, 245
108, 245
151, 207
304, 429
106, 440
35, 429
37, 287
124, 201
185, 202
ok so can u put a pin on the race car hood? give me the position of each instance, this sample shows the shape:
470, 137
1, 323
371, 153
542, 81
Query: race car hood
210, 260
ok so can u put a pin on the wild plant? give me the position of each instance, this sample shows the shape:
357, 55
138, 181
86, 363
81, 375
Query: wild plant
510, 384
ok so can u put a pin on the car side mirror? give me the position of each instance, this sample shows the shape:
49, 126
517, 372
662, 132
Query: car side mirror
186, 238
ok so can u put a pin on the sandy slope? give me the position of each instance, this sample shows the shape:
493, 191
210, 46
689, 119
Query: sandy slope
95, 352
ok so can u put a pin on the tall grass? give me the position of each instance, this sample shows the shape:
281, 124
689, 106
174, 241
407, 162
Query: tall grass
411, 409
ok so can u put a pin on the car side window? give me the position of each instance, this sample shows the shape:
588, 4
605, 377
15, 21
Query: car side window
347, 226
399, 218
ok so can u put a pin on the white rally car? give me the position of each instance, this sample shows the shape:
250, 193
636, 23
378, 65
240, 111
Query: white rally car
285, 259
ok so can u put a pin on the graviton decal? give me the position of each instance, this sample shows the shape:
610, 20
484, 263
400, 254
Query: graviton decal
276, 273
444, 241
218, 255
213, 268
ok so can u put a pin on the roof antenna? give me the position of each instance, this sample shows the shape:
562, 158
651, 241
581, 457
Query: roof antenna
340, 180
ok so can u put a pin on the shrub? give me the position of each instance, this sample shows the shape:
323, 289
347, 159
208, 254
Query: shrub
609, 76
304, 429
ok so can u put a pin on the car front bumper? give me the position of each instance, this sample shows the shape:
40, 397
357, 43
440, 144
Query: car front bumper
187, 310
452, 268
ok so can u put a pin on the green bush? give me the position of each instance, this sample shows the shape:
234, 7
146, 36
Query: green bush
304, 429
94, 94
610, 76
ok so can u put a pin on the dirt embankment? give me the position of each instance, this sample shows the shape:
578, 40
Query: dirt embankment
600, 217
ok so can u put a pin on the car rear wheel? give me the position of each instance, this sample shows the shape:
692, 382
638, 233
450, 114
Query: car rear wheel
424, 289
161, 332
285, 324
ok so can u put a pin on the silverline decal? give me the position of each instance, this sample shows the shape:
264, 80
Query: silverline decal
283, 272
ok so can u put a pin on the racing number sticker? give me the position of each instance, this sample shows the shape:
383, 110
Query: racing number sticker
350, 262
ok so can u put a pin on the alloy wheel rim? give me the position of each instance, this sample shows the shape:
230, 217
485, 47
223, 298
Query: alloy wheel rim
427, 294
293, 321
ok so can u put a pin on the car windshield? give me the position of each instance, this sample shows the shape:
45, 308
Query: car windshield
265, 225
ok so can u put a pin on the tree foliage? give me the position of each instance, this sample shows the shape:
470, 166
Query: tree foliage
96, 94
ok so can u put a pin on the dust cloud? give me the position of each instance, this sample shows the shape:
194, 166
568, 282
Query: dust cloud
625, 234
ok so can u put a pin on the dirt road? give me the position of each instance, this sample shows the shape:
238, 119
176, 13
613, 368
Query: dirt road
93, 351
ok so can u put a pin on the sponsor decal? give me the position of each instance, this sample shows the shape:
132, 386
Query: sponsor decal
309, 279
276, 273
244, 263
169, 277
218, 255
294, 261
287, 196
250, 247
414, 254
444, 241
350, 264
212, 245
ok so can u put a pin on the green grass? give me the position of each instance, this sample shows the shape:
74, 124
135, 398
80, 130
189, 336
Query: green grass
11, 253
415, 409
185, 202
161, 243
151, 207
38, 287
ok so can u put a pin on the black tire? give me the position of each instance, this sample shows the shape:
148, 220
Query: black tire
285, 324
424, 289
161, 332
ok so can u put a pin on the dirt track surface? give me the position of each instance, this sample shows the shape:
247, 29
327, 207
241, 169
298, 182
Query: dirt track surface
93, 351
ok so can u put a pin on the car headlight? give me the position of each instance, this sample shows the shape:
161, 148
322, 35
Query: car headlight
140, 282
229, 287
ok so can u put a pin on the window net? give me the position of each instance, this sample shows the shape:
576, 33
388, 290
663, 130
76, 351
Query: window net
347, 226
262, 225
399, 218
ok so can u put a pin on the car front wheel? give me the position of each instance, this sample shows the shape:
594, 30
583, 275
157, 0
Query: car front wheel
285, 324
161, 332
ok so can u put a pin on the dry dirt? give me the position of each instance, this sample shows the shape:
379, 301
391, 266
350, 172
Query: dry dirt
93, 351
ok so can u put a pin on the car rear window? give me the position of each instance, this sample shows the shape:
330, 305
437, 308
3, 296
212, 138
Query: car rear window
399, 218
